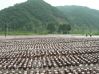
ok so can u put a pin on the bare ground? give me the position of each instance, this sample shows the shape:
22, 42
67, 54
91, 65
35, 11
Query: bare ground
50, 35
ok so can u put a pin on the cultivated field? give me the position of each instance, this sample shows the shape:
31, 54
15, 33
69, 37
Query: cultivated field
49, 55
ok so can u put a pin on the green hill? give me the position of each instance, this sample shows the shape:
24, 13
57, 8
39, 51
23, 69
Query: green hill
32, 16
84, 20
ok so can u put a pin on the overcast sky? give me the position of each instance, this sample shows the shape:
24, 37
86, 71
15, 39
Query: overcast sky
89, 3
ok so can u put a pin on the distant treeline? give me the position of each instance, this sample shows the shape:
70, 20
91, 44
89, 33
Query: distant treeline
51, 28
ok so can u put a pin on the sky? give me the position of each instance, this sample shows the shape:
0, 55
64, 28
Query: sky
7, 3
94, 4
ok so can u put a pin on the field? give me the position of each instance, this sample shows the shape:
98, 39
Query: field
55, 54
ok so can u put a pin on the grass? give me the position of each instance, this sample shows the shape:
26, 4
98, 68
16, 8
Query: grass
44, 33
21, 33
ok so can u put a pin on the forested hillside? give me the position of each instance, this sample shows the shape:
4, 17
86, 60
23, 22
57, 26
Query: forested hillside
84, 20
39, 17
33, 16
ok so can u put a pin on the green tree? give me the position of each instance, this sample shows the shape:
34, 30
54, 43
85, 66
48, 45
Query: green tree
51, 28
64, 28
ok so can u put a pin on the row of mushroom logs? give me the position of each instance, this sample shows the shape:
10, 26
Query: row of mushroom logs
49, 56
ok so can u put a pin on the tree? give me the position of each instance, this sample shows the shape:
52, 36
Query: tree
64, 28
51, 28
